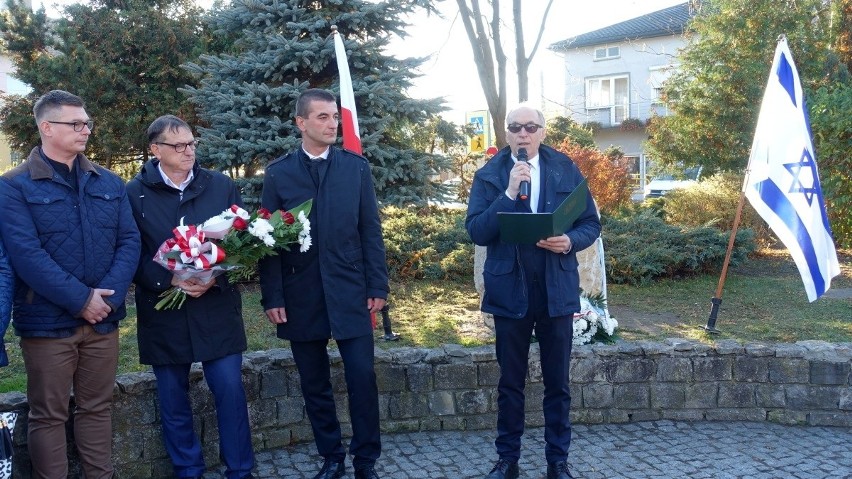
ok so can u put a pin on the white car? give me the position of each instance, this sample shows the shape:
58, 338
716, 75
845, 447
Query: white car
666, 182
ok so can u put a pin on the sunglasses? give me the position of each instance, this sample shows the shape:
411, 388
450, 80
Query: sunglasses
530, 127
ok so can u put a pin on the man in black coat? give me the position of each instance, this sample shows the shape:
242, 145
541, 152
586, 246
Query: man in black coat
330, 290
208, 328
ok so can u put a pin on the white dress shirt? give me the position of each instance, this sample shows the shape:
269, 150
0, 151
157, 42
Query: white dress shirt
535, 182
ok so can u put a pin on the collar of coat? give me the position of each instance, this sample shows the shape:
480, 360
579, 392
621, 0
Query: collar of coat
40, 169
150, 173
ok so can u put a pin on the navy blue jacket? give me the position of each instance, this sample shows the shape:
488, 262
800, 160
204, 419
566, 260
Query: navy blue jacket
205, 328
63, 243
505, 284
7, 284
324, 291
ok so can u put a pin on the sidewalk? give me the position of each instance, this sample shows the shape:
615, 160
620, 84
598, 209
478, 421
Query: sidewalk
660, 449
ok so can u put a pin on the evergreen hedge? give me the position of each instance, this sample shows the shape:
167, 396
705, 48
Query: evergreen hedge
641, 247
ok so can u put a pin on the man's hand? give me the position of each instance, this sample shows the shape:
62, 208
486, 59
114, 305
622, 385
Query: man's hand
192, 286
276, 315
556, 244
375, 304
96, 310
520, 172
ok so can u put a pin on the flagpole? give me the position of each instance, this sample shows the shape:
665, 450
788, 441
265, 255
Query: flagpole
716, 300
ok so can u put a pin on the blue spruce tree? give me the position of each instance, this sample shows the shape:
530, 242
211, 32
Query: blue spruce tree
246, 97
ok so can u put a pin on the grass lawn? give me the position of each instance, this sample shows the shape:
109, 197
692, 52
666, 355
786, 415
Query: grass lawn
763, 300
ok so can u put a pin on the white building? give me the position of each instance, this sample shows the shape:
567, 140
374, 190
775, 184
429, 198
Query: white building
614, 76
9, 85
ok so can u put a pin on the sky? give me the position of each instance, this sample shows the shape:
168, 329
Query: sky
450, 72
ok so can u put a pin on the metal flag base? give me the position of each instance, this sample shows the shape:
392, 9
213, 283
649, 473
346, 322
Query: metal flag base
711, 321
386, 326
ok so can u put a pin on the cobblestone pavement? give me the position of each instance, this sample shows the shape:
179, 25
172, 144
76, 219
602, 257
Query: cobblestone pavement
659, 449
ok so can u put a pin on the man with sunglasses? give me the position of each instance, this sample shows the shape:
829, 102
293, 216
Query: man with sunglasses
530, 287
72, 241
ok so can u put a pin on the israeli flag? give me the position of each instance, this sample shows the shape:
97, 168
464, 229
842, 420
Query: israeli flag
782, 181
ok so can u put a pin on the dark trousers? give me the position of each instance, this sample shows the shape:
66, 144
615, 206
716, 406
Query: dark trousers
224, 376
315, 374
513, 345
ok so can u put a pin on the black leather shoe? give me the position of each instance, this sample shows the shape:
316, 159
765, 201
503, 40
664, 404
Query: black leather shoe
331, 470
366, 472
558, 470
504, 469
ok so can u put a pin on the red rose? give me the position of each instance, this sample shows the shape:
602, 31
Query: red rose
288, 217
264, 213
240, 224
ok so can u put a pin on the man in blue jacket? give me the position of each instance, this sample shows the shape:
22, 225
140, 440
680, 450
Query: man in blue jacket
7, 286
74, 253
530, 287
330, 290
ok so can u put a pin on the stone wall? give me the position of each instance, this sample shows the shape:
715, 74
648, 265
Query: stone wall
453, 388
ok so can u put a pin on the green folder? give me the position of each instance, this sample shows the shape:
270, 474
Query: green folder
528, 228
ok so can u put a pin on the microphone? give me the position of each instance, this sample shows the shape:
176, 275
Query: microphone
525, 185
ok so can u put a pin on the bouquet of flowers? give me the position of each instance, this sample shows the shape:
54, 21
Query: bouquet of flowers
593, 322
230, 240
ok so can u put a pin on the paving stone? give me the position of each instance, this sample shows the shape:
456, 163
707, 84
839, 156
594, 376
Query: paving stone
653, 449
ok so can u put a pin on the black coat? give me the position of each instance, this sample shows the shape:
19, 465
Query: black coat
324, 291
205, 328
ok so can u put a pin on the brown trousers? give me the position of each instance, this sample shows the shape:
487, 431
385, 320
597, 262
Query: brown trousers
86, 361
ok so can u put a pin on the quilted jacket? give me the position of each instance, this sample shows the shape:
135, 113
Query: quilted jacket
63, 243
7, 280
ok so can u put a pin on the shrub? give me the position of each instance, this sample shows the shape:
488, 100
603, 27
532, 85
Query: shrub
713, 201
632, 124
564, 128
609, 178
594, 126
642, 247
832, 127
427, 243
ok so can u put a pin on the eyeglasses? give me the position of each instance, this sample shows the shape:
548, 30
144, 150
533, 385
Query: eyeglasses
530, 127
77, 125
179, 147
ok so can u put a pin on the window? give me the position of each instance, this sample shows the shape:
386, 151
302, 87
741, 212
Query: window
607, 53
657, 76
610, 93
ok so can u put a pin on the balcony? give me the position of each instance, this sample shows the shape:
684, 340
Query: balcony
613, 116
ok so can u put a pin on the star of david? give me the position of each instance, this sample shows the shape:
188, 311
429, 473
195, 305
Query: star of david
806, 163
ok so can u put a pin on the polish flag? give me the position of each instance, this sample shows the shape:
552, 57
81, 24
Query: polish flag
349, 116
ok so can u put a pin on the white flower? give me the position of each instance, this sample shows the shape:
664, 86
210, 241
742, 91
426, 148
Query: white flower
609, 324
305, 243
580, 325
260, 228
305, 234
